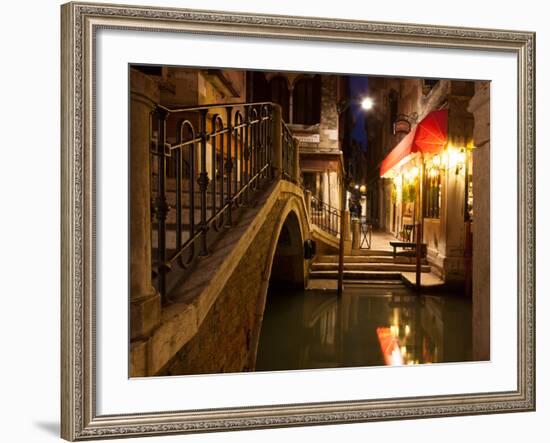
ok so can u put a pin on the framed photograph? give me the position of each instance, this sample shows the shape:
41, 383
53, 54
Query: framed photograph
284, 221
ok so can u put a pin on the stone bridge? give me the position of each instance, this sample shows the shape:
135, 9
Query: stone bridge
214, 321
205, 245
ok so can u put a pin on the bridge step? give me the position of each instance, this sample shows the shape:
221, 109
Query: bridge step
332, 284
357, 275
397, 267
395, 282
374, 252
369, 259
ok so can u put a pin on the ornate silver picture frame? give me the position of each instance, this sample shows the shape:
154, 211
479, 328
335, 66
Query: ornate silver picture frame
79, 388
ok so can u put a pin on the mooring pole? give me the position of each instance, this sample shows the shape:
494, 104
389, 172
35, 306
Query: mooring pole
418, 255
341, 248
420, 225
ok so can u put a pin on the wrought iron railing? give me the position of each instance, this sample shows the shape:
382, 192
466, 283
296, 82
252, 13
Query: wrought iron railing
288, 162
206, 162
325, 216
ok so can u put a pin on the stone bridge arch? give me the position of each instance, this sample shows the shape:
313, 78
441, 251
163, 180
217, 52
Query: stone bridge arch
285, 266
217, 325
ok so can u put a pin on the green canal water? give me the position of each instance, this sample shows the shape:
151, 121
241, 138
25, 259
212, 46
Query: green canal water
367, 326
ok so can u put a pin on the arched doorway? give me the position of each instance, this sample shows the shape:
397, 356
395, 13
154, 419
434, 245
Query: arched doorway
280, 95
306, 107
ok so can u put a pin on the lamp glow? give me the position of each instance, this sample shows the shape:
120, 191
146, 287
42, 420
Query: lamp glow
367, 103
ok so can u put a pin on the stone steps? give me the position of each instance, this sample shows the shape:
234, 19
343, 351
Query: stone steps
370, 259
374, 252
332, 284
370, 267
357, 275
397, 267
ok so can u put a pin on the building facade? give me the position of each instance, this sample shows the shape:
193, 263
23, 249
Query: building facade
309, 104
420, 168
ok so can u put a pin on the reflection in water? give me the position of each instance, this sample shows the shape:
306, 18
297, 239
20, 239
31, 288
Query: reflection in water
365, 327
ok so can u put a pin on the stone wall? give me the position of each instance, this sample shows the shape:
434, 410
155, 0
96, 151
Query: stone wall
328, 129
481, 280
193, 87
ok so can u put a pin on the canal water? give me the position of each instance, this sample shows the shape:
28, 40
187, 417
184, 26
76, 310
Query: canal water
367, 326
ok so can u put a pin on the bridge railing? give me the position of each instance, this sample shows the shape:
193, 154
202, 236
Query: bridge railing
325, 216
289, 166
206, 162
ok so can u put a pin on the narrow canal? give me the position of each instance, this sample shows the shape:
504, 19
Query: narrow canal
367, 326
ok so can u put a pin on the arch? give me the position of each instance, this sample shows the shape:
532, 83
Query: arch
259, 87
306, 100
295, 205
294, 212
287, 267
280, 94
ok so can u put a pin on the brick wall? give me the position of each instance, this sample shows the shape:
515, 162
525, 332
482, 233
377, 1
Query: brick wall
329, 113
224, 342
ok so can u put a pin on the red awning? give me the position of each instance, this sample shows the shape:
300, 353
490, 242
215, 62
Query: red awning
428, 136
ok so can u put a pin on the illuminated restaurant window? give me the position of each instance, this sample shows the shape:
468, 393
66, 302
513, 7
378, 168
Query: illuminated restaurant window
432, 193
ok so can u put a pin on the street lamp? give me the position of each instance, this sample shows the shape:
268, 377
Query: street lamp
367, 103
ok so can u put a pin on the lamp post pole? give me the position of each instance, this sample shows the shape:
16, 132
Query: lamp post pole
341, 107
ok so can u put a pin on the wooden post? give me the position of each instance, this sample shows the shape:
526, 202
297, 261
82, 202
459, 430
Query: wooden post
420, 225
418, 255
341, 247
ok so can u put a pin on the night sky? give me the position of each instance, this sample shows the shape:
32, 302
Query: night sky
358, 90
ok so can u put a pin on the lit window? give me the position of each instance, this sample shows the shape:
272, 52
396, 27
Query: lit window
432, 193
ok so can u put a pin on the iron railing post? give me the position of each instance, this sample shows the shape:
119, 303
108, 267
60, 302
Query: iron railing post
246, 154
178, 156
214, 179
270, 141
296, 160
238, 136
229, 168
257, 140
203, 181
